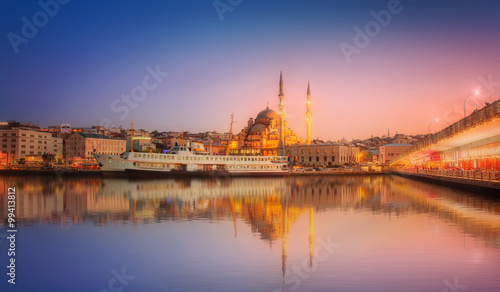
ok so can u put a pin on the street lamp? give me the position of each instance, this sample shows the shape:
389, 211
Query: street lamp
435, 120
476, 93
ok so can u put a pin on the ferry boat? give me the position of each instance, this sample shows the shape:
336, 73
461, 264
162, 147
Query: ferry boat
191, 159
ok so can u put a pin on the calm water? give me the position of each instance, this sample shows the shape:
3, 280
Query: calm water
372, 233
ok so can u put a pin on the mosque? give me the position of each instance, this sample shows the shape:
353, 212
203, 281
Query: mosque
269, 134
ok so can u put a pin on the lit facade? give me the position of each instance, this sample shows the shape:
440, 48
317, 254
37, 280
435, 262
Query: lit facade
391, 151
267, 134
142, 143
19, 140
322, 155
83, 145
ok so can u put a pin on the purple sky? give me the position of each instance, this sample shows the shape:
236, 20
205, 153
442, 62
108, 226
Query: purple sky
418, 67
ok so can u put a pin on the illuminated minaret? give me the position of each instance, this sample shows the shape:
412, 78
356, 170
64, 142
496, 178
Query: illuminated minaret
281, 113
308, 114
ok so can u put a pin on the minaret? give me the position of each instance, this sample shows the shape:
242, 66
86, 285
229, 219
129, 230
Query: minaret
281, 114
308, 114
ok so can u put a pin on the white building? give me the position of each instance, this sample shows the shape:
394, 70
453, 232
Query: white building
323, 154
142, 142
20, 140
390, 151
83, 145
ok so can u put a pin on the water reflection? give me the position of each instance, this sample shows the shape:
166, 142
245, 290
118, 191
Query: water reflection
269, 206
271, 209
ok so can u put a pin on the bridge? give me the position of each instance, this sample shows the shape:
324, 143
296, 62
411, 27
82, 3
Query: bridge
467, 151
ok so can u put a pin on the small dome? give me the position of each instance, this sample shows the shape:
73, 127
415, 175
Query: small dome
258, 127
267, 114
274, 133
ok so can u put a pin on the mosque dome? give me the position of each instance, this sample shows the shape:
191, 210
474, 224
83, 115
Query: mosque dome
267, 114
259, 127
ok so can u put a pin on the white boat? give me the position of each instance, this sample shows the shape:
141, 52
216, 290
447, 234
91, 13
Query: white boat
185, 160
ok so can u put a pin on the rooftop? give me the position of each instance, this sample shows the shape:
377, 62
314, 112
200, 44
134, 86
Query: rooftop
396, 144
94, 136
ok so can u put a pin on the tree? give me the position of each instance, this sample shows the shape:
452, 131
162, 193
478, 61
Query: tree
155, 133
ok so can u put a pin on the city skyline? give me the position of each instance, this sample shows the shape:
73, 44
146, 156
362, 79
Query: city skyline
195, 64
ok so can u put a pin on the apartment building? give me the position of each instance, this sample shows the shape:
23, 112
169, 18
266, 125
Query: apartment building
83, 145
21, 140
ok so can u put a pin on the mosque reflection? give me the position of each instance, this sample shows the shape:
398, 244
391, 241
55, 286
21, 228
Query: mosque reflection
268, 206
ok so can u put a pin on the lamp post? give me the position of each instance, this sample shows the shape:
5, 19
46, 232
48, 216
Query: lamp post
435, 120
476, 92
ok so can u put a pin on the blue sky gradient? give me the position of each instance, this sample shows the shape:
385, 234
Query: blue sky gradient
424, 63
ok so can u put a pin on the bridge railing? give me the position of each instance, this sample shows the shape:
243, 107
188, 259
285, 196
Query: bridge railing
482, 175
488, 113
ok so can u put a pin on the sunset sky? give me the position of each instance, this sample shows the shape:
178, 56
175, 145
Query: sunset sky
420, 65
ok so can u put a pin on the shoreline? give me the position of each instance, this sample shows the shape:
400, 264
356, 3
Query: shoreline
449, 182
460, 183
98, 173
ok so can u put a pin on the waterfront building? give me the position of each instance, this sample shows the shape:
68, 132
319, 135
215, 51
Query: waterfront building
83, 145
141, 142
391, 151
375, 155
323, 154
22, 140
